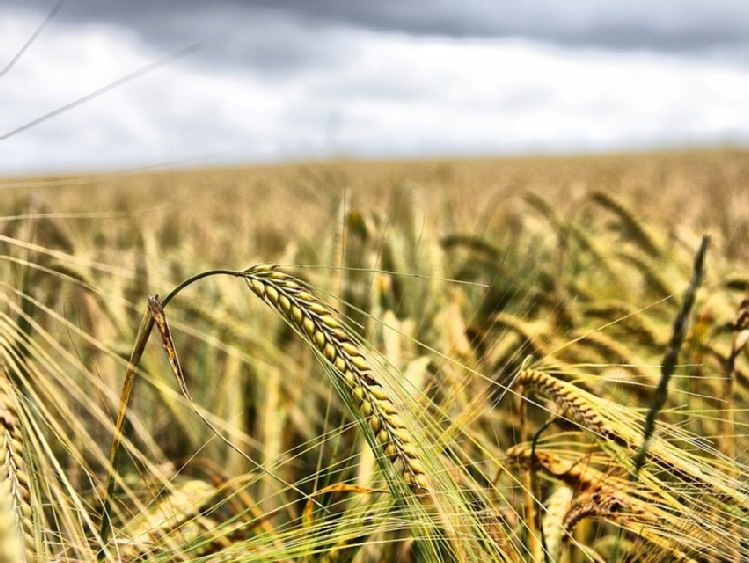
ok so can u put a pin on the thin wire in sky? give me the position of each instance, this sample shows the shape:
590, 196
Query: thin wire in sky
33, 38
111, 86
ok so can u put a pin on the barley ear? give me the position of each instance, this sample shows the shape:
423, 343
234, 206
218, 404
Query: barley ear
15, 486
335, 343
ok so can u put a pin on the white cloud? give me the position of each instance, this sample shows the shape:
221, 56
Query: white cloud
390, 95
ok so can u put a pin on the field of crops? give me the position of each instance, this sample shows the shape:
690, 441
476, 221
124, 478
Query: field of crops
401, 361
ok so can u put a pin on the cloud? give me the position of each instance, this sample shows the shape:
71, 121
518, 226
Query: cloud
285, 85
638, 24
689, 27
485, 96
363, 93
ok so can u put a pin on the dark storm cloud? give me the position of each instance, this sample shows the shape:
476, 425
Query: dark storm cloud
229, 34
637, 24
285, 34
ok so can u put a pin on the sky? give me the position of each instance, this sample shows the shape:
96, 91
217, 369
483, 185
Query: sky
109, 84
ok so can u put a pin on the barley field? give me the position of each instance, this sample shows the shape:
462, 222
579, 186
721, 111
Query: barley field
536, 359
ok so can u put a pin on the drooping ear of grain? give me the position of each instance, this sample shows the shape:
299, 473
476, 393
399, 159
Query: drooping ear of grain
14, 480
568, 398
332, 340
11, 544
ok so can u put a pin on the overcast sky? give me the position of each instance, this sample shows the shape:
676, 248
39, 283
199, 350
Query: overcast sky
287, 80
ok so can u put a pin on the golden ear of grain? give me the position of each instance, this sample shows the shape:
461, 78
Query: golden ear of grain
614, 504
11, 544
568, 398
14, 480
316, 321
603, 502
578, 475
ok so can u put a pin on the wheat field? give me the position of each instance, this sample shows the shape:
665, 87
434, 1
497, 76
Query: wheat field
536, 359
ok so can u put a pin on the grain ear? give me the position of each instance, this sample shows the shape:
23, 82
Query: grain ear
569, 399
317, 321
15, 488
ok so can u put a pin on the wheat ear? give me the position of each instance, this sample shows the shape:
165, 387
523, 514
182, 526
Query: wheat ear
578, 475
13, 476
569, 398
11, 546
316, 321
